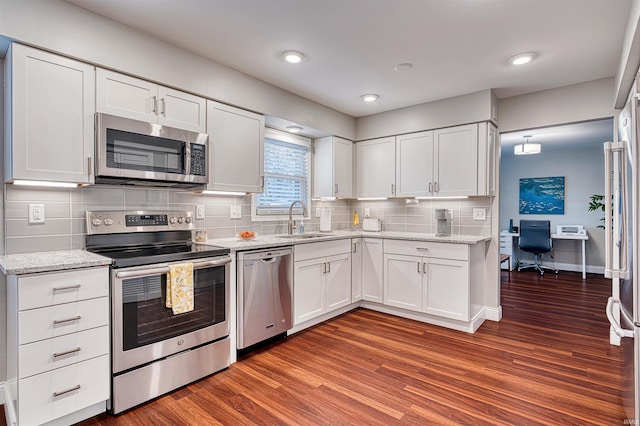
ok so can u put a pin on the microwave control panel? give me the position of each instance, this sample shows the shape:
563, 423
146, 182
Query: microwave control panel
198, 160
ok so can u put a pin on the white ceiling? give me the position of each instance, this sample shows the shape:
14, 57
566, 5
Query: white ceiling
456, 46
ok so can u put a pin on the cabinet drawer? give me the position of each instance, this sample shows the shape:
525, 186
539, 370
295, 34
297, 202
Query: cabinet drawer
38, 404
58, 320
45, 355
321, 249
35, 291
427, 249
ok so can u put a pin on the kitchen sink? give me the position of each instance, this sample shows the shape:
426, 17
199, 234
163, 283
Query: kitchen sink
304, 236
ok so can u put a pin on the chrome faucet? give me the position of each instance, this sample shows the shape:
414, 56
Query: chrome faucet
304, 212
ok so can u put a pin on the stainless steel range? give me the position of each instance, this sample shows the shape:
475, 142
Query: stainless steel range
154, 350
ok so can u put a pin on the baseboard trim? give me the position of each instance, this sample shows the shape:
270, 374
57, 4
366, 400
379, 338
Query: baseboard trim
493, 314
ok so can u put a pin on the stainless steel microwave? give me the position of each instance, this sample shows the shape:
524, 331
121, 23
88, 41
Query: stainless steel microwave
136, 152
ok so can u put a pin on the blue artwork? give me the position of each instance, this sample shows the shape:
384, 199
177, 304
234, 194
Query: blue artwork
542, 195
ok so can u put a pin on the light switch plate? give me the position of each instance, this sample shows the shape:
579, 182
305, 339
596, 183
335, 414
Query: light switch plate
479, 214
36, 213
317, 211
199, 211
236, 212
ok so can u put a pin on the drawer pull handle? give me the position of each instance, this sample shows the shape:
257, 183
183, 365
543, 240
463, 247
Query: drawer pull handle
58, 354
422, 249
57, 394
56, 322
69, 287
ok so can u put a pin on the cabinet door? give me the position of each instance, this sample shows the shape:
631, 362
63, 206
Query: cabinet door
403, 281
236, 149
308, 290
375, 168
456, 161
414, 164
446, 291
337, 281
126, 96
372, 262
343, 167
356, 269
52, 104
181, 110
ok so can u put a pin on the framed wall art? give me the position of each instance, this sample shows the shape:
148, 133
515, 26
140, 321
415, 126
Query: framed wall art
543, 195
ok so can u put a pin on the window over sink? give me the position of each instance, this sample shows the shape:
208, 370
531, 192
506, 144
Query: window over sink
287, 174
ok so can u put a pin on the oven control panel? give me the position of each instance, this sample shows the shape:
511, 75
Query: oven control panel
112, 222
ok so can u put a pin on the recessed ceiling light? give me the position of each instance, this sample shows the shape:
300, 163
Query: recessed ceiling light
405, 66
294, 129
521, 58
369, 97
293, 56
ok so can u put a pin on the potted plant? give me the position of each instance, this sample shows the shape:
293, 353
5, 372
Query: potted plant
596, 204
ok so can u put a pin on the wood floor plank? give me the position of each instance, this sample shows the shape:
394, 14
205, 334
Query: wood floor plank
548, 362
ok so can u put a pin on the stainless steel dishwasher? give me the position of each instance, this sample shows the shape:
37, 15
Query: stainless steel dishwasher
265, 294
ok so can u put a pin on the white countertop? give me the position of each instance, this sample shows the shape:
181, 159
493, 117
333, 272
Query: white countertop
268, 241
28, 263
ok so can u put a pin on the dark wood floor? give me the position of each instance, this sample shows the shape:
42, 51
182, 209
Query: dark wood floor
547, 362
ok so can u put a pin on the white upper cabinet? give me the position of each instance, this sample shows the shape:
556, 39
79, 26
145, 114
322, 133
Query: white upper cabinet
376, 168
333, 167
414, 164
236, 149
455, 166
487, 158
50, 110
125, 96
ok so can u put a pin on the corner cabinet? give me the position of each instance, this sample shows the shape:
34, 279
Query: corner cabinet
236, 149
332, 167
321, 277
376, 168
130, 97
372, 268
50, 117
58, 363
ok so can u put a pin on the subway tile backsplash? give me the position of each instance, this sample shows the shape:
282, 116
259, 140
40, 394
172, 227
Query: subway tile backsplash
65, 227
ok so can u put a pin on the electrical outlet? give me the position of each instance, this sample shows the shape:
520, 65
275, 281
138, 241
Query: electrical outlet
479, 214
367, 212
236, 212
36, 213
199, 211
317, 211
451, 213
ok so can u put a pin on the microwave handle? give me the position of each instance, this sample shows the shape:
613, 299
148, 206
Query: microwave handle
164, 268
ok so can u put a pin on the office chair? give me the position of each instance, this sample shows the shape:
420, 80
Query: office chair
535, 237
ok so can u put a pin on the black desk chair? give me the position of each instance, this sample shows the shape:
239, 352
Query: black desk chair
535, 237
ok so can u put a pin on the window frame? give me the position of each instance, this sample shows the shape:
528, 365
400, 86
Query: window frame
293, 139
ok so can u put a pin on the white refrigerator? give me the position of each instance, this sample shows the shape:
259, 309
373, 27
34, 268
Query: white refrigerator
621, 234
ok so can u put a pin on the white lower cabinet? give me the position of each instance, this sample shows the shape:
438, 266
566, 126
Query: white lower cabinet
428, 277
322, 279
57, 345
356, 269
372, 269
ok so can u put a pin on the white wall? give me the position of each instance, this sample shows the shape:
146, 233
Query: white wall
66, 29
471, 108
569, 104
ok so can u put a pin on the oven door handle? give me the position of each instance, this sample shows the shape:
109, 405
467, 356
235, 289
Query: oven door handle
164, 269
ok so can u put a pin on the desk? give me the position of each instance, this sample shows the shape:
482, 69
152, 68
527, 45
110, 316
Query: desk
508, 245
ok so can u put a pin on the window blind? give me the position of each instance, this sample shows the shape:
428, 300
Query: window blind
286, 177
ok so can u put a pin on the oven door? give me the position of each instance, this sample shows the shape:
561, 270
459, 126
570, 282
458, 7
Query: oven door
144, 330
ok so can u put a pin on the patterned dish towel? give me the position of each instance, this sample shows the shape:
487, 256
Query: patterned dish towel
180, 288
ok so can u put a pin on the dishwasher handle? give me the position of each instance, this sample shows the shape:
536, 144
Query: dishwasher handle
269, 259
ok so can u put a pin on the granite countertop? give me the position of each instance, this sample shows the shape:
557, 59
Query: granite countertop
268, 241
28, 263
